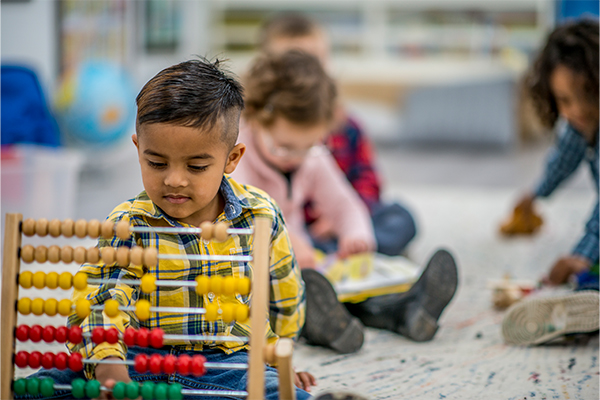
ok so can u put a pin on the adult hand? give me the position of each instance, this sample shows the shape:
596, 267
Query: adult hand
304, 380
350, 246
565, 267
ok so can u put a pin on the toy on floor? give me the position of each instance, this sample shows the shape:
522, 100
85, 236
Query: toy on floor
523, 221
508, 291
196, 365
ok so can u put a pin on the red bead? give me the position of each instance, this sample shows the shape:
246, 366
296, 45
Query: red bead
75, 335
61, 360
22, 359
35, 359
35, 333
48, 334
75, 362
61, 334
141, 339
98, 335
197, 366
129, 336
22, 333
183, 364
112, 335
155, 364
169, 364
140, 363
156, 338
48, 360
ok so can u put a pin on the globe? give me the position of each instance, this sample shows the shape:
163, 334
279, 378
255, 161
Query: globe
95, 104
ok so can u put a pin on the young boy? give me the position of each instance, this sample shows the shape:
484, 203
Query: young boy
186, 133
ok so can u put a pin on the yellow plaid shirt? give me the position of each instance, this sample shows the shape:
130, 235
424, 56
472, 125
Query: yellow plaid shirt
242, 205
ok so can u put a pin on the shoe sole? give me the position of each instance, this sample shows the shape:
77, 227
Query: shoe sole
535, 321
328, 323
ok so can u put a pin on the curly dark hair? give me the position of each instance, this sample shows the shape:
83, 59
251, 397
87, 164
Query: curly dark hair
575, 46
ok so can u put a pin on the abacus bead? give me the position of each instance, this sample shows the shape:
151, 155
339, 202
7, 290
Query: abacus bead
48, 360
122, 256
132, 390
148, 390
197, 365
66, 254
93, 228
48, 334
174, 392
142, 309
241, 313
51, 307
140, 363
20, 386
79, 254
47, 388
228, 285
35, 359
61, 361
155, 364
206, 232
169, 364
212, 312
22, 333
35, 333
137, 255
148, 283
142, 337
118, 390
64, 307
228, 312
78, 388
52, 280
75, 334
150, 257
24, 305
98, 335
80, 281
33, 386
123, 230
160, 391
129, 337
39, 280
92, 389
156, 338
26, 279
54, 254
81, 228
65, 280
21, 359
183, 364
83, 308
28, 253
41, 227
202, 284
37, 306
111, 308
67, 228
54, 228
41, 254
108, 255
92, 255
112, 335
243, 285
107, 229
220, 231
216, 284
28, 227
61, 334
75, 362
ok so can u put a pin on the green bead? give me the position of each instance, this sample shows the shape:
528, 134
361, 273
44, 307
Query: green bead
20, 386
133, 390
78, 388
92, 389
161, 390
33, 386
47, 387
175, 392
148, 390
118, 391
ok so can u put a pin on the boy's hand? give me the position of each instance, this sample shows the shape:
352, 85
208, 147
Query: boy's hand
109, 374
304, 380
565, 267
350, 246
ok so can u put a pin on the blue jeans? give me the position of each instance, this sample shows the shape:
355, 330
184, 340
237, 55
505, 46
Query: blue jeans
215, 379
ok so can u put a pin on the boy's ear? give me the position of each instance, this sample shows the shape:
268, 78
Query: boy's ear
135, 140
235, 155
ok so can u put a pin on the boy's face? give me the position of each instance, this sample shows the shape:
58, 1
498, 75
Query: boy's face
182, 169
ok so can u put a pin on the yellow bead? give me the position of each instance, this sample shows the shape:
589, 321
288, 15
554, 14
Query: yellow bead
216, 284
243, 285
37, 307
241, 313
228, 312
51, 307
228, 286
202, 284
142, 310
52, 280
26, 279
111, 308
148, 283
80, 281
24, 305
64, 307
65, 280
212, 312
83, 308
39, 279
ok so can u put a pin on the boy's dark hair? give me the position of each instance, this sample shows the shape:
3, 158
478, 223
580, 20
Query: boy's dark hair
286, 25
195, 93
292, 85
575, 46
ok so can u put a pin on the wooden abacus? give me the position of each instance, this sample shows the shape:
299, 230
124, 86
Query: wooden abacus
12, 278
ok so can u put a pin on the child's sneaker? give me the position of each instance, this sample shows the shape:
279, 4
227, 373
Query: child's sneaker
539, 320
328, 323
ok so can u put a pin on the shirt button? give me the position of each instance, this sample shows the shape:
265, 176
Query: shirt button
211, 296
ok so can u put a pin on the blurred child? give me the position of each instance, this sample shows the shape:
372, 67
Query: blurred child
290, 103
394, 226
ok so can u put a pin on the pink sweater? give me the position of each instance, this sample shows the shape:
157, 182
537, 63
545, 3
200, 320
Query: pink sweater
318, 180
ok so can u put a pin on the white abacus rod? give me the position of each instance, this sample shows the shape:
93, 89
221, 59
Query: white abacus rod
192, 338
211, 365
188, 392
176, 229
183, 310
